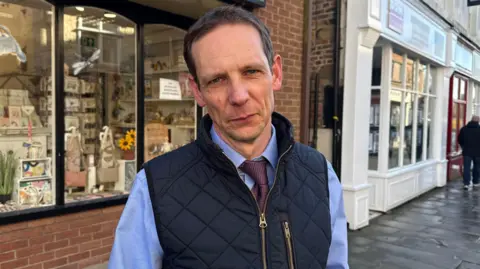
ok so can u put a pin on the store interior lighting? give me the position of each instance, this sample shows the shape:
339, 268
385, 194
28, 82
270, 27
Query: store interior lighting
110, 15
81, 9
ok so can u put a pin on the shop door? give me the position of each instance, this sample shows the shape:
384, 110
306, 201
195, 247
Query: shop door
456, 115
171, 112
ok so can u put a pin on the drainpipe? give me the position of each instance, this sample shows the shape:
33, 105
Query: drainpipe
337, 135
305, 100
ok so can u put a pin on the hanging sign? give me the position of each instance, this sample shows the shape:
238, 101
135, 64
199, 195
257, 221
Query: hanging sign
472, 3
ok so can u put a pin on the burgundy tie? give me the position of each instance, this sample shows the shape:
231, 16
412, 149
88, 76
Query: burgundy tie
257, 170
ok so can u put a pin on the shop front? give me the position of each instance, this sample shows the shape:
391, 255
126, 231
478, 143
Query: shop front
462, 100
401, 137
87, 95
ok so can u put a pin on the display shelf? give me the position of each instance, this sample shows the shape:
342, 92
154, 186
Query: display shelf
34, 186
24, 131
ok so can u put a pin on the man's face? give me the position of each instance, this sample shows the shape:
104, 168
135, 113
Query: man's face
236, 83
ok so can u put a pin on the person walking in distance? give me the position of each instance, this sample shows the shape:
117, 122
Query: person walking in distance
469, 140
244, 194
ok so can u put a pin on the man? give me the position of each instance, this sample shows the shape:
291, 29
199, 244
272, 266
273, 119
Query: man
244, 194
469, 140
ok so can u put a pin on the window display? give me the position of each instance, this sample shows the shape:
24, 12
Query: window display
170, 109
411, 97
26, 148
100, 104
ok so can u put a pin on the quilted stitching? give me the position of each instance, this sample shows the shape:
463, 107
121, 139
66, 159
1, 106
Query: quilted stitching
199, 209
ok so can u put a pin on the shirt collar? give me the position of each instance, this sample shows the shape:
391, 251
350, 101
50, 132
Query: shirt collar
270, 153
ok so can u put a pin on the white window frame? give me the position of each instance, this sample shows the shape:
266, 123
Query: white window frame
385, 106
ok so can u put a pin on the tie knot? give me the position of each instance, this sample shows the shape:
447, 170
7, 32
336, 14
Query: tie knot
257, 170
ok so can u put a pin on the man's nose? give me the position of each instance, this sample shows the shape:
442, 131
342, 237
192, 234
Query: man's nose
237, 92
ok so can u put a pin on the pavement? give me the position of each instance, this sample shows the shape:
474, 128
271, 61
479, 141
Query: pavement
439, 230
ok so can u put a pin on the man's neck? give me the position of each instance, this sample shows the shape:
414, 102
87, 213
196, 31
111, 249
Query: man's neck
248, 150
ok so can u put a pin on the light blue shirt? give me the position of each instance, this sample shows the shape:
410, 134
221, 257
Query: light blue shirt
136, 244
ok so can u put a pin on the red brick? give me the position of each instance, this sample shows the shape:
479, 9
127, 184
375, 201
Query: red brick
21, 234
102, 234
41, 222
55, 263
35, 266
113, 209
41, 240
101, 251
15, 264
41, 257
90, 229
7, 256
79, 256
78, 216
80, 239
13, 227
66, 234
57, 227
4, 247
69, 266
84, 222
108, 241
30, 251
91, 245
110, 226
56, 245
93, 260
66, 251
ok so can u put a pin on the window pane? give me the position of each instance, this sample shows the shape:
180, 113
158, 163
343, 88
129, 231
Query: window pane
395, 124
461, 116
374, 130
100, 104
454, 120
463, 88
397, 63
408, 133
456, 84
431, 110
431, 80
377, 66
422, 73
26, 148
410, 73
421, 131
169, 117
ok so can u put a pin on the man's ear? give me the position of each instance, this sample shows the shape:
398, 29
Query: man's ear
277, 73
196, 91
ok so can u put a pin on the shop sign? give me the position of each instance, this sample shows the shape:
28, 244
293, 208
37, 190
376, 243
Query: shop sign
472, 3
407, 26
463, 57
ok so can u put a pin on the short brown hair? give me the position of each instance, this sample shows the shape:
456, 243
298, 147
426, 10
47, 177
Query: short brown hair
221, 16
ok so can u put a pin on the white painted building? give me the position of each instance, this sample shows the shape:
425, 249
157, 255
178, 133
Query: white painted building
411, 81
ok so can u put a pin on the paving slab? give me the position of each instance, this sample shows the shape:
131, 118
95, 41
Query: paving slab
440, 229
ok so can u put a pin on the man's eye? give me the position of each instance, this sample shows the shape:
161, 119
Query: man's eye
214, 81
251, 71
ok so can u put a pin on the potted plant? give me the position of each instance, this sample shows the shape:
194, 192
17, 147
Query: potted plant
8, 168
127, 144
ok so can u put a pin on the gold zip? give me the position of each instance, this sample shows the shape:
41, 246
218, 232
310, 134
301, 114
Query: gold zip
263, 220
288, 242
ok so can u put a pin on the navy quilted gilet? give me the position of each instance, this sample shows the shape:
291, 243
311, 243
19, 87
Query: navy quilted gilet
207, 218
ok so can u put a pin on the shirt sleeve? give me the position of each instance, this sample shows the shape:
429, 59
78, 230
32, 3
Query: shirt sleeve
338, 255
136, 244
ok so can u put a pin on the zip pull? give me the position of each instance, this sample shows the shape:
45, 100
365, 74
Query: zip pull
287, 230
263, 221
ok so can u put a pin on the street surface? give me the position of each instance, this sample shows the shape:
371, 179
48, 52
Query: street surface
440, 229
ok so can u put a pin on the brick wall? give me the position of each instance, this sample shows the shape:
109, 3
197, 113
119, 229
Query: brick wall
323, 34
284, 18
72, 241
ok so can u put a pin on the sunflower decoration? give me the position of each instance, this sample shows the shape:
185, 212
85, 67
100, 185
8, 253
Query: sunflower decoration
125, 144
131, 135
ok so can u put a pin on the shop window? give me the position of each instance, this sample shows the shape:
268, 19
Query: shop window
27, 179
100, 104
412, 101
476, 100
170, 109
